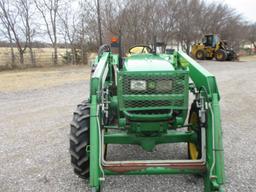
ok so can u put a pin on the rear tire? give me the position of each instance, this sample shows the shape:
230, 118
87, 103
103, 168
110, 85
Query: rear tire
79, 140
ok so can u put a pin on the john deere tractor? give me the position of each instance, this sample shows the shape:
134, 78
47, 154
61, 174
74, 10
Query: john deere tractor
213, 47
143, 99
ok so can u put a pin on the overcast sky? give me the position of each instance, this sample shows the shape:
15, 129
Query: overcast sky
246, 7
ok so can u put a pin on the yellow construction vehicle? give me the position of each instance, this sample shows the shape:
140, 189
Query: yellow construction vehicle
213, 47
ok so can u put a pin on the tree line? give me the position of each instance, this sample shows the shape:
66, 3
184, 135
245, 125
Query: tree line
82, 25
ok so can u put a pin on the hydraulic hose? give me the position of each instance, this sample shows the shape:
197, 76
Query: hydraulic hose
100, 146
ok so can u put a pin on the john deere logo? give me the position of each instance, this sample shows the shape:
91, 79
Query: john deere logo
152, 85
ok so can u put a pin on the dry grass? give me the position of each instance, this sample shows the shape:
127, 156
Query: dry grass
43, 56
39, 78
248, 58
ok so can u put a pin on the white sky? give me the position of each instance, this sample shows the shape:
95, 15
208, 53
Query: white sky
246, 7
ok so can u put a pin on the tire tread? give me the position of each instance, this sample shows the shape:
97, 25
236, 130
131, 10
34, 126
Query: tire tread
79, 140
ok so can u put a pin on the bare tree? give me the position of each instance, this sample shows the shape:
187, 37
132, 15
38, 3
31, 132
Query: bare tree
49, 12
99, 21
86, 29
92, 10
12, 19
188, 22
251, 37
82, 40
166, 20
69, 22
6, 31
25, 12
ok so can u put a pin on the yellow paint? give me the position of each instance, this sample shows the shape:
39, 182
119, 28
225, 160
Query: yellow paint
193, 151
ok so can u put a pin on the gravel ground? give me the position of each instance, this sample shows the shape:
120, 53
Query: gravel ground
34, 132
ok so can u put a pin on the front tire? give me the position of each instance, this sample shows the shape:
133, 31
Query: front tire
221, 55
200, 55
194, 149
80, 139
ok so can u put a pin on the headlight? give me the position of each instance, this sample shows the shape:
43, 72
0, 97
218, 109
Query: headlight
138, 85
164, 85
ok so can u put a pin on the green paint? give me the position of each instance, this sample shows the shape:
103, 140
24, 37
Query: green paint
171, 136
94, 145
149, 62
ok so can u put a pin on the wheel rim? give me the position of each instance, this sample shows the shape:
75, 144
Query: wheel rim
219, 56
199, 55
193, 149
193, 152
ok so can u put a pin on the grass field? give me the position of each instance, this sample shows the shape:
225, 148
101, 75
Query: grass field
43, 56
40, 78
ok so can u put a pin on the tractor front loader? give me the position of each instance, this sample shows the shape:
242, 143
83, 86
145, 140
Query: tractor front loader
144, 98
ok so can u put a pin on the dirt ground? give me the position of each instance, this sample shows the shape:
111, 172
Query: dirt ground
36, 108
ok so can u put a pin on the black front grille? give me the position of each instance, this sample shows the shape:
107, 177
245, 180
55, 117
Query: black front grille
173, 97
152, 103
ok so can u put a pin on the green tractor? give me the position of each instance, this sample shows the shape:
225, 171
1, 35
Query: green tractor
143, 99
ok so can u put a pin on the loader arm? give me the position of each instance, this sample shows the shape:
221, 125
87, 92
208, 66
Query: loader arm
98, 81
214, 152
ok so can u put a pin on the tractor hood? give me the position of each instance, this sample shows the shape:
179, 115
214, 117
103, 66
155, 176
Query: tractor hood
147, 62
